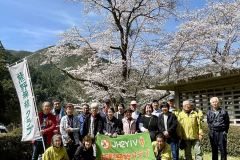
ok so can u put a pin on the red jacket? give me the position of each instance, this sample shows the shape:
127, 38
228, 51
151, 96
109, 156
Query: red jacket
50, 126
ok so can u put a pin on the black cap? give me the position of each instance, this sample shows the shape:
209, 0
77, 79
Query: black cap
165, 104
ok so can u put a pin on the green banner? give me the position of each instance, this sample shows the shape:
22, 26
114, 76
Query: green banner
125, 147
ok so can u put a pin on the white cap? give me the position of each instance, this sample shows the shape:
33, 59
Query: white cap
133, 102
94, 105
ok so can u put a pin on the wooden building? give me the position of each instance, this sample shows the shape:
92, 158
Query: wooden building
224, 85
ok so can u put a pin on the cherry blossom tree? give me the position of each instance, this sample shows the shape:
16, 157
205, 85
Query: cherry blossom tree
118, 48
207, 41
126, 51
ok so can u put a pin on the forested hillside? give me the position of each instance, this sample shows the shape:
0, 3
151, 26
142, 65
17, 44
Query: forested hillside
9, 110
48, 82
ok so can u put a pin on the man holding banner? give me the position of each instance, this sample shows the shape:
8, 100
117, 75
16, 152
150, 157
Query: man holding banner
48, 124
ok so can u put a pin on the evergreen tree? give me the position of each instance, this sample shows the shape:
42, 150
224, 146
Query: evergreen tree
9, 110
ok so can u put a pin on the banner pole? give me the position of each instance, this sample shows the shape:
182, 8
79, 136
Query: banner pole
35, 105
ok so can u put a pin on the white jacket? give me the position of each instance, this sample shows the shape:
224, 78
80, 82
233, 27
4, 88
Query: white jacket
64, 125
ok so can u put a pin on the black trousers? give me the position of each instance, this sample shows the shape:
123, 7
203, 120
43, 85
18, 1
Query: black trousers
71, 149
37, 149
218, 140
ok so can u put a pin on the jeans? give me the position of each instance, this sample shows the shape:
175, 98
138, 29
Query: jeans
175, 149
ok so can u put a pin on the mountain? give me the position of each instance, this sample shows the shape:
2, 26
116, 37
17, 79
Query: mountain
48, 82
52, 83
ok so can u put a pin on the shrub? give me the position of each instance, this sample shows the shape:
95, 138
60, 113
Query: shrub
12, 147
233, 143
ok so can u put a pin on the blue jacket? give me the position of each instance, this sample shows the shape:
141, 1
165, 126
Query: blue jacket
81, 119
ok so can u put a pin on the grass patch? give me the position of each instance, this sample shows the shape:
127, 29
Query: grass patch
208, 156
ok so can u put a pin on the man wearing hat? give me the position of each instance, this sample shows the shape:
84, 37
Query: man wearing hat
106, 106
129, 123
173, 108
133, 106
135, 113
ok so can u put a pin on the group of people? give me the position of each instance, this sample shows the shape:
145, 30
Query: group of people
70, 136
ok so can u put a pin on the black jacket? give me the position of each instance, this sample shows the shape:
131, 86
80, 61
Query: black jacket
172, 123
218, 122
112, 126
98, 125
150, 123
84, 154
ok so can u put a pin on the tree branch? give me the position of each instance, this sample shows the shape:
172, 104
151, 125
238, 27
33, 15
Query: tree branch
101, 85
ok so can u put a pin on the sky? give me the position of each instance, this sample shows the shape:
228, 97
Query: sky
31, 25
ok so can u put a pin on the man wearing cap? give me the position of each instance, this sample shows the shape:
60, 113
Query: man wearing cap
133, 106
106, 106
135, 114
173, 108
156, 110
129, 124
